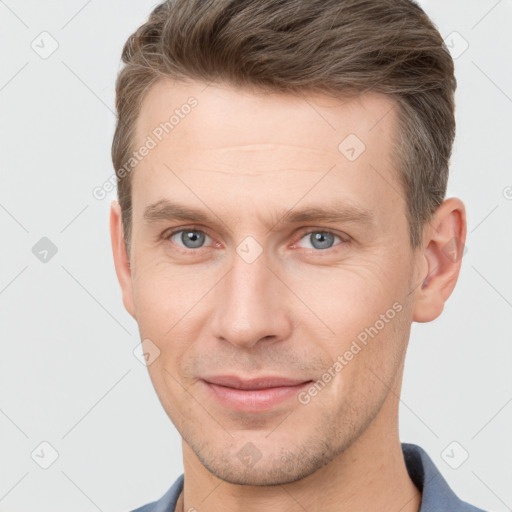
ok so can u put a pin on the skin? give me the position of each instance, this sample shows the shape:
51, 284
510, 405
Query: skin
248, 158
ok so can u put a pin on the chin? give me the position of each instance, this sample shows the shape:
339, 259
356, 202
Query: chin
248, 466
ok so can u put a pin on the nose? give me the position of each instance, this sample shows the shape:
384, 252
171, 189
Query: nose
251, 305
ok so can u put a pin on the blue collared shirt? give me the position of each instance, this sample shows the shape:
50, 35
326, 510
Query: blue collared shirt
436, 493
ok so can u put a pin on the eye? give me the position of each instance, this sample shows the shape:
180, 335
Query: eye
189, 238
319, 240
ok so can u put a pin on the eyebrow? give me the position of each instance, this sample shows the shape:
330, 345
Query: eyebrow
165, 210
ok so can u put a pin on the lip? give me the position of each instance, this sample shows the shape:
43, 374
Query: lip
253, 395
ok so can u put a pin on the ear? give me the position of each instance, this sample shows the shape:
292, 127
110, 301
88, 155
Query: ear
121, 259
442, 251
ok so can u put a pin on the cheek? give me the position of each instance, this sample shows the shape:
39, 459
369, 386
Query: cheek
164, 293
350, 298
171, 305
365, 311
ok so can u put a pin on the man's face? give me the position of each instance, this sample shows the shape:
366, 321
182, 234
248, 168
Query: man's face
253, 289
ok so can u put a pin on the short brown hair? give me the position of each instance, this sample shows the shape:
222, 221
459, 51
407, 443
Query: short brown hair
336, 47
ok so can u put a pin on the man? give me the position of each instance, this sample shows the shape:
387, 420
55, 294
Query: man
282, 168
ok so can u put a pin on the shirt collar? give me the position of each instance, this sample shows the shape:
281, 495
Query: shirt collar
436, 493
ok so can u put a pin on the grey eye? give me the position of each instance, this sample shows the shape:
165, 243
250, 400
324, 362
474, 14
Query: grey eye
189, 238
320, 239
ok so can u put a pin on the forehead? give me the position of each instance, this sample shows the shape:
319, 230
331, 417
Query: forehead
265, 148
250, 116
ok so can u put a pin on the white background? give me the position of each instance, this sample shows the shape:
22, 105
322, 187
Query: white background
68, 375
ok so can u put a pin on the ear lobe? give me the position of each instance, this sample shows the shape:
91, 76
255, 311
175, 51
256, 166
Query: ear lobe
443, 248
121, 259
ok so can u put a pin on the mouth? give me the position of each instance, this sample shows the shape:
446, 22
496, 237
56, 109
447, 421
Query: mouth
253, 395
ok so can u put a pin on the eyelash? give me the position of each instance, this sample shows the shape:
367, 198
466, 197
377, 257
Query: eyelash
344, 239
